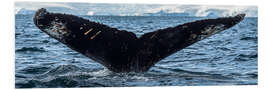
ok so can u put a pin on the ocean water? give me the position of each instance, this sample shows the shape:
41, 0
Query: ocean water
227, 58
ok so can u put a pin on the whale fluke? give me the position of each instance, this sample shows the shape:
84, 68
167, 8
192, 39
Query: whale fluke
120, 50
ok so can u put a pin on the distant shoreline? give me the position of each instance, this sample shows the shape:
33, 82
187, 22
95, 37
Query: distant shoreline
135, 16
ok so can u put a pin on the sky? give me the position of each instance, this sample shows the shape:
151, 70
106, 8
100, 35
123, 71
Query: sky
136, 9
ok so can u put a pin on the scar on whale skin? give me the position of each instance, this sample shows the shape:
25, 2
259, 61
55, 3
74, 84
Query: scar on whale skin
95, 35
121, 50
88, 31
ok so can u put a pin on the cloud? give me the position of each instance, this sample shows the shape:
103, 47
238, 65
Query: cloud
37, 5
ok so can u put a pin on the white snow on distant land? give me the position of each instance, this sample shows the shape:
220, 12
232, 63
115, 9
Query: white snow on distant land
202, 11
90, 13
139, 9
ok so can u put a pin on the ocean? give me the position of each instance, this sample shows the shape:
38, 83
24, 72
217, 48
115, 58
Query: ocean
227, 58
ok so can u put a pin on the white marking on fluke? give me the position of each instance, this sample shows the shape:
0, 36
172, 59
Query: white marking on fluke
210, 30
57, 30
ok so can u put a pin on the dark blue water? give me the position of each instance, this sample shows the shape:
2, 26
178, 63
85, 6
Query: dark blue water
227, 58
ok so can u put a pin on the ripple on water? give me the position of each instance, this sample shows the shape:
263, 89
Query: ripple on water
249, 38
246, 57
34, 70
31, 49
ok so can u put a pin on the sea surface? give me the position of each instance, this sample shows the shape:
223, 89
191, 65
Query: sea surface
227, 58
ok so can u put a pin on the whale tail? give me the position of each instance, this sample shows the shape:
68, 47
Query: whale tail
120, 50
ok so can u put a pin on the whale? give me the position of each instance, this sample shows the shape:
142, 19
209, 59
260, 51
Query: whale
121, 50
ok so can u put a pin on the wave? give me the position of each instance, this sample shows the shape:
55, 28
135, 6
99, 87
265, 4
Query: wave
245, 57
62, 76
56, 82
62, 69
34, 70
31, 49
73, 76
249, 38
